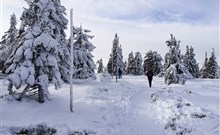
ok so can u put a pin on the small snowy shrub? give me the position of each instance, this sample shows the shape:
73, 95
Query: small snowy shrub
105, 76
41, 129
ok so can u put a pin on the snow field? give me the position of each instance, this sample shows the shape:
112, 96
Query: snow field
123, 108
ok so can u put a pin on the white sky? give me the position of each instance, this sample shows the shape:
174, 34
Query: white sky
142, 25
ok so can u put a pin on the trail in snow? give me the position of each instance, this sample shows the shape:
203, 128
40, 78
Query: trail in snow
133, 112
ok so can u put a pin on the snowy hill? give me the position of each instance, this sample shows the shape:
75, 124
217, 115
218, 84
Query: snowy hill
128, 107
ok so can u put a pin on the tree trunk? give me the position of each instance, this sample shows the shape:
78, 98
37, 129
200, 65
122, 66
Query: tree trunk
10, 88
41, 97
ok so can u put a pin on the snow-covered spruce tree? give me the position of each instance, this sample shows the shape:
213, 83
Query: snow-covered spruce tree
204, 70
7, 43
59, 20
83, 58
100, 67
130, 63
116, 57
121, 63
153, 59
175, 71
35, 61
138, 67
212, 66
190, 62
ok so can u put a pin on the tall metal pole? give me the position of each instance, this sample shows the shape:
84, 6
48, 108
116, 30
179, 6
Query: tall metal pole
71, 61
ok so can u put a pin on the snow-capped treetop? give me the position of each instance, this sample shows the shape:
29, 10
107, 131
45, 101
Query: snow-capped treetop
116, 41
174, 52
175, 71
83, 58
10, 35
82, 39
173, 42
7, 43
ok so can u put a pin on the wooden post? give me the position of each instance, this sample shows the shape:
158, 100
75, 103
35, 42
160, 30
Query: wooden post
71, 62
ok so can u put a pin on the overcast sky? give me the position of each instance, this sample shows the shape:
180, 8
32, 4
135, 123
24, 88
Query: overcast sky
142, 25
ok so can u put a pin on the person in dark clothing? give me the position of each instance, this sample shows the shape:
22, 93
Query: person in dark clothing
149, 74
119, 73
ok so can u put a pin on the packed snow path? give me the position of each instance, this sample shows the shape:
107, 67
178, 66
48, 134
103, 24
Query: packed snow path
123, 108
131, 111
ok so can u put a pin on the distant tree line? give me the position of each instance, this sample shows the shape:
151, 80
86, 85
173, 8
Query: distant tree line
177, 67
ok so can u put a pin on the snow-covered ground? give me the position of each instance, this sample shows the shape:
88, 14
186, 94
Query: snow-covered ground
128, 107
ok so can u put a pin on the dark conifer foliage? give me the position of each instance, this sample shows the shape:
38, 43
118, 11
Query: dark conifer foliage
153, 59
100, 66
130, 64
210, 67
190, 62
116, 57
